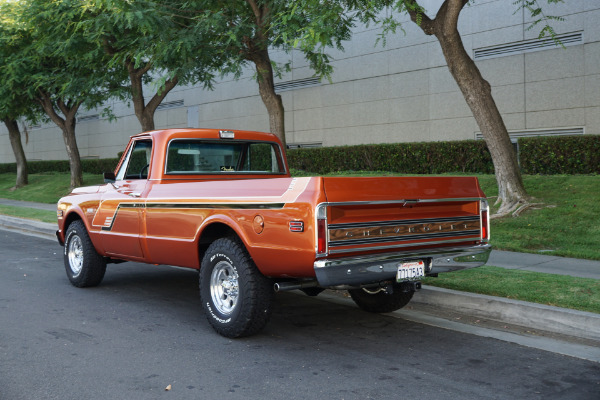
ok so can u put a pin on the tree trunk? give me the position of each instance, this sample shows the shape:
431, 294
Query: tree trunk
478, 95
258, 52
266, 88
73, 152
17, 146
67, 125
145, 112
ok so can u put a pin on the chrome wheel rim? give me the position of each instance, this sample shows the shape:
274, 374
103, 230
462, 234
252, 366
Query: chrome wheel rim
75, 255
224, 287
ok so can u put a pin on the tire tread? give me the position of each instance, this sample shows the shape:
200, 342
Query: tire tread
255, 299
94, 265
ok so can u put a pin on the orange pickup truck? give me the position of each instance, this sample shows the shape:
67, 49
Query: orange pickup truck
223, 202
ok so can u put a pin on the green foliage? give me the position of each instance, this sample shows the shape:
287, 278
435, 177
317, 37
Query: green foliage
538, 155
14, 103
409, 158
539, 17
245, 32
560, 155
48, 60
95, 166
155, 37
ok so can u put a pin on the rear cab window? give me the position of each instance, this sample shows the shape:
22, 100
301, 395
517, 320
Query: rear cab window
201, 157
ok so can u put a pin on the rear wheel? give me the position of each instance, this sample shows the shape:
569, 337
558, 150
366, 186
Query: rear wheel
379, 301
235, 296
84, 266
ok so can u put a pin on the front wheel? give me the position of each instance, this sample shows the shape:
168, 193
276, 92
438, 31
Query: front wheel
84, 266
235, 296
379, 301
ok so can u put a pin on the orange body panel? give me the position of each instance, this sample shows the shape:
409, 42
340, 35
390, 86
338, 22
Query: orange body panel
162, 219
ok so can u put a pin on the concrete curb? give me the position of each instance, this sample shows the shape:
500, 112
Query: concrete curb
29, 226
552, 319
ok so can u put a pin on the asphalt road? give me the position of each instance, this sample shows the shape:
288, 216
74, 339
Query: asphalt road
143, 329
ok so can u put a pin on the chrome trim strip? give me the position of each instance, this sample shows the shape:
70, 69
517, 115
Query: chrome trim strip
242, 206
321, 213
400, 246
400, 201
403, 222
353, 242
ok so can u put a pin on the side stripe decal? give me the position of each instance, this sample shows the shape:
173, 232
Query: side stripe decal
110, 221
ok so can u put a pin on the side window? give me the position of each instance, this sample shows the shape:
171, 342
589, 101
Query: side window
138, 161
261, 157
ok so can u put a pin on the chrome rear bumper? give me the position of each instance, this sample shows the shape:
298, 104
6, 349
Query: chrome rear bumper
381, 267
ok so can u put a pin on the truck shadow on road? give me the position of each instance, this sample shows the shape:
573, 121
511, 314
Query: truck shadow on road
294, 313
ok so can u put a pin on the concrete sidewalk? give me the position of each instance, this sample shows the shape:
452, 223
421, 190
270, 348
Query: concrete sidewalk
546, 264
28, 204
584, 325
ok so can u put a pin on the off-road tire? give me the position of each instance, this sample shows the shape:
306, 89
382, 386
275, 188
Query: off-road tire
84, 266
235, 296
378, 301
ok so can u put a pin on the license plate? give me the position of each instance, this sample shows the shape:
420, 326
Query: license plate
410, 270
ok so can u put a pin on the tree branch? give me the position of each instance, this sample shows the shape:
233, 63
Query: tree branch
256, 11
418, 16
137, 72
160, 96
46, 102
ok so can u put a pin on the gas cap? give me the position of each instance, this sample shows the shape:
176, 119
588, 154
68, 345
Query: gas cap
259, 224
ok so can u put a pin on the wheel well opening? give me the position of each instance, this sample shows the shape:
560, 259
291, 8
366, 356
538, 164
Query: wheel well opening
70, 219
211, 233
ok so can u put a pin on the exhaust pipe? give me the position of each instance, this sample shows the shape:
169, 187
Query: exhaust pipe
287, 286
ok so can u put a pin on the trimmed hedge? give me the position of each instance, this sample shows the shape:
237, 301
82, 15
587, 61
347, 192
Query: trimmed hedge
567, 155
411, 158
96, 166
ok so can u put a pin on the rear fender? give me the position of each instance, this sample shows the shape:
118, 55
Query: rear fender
218, 226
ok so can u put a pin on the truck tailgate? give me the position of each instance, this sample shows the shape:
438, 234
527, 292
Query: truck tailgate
380, 214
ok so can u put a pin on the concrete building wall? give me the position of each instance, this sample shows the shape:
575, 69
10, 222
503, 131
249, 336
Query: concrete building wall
402, 92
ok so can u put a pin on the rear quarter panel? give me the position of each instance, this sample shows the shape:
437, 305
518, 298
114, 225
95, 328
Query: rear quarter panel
178, 213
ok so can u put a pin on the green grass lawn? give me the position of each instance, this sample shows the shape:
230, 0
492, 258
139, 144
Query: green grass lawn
567, 223
42, 188
555, 290
29, 213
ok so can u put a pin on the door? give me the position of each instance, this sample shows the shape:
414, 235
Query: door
121, 209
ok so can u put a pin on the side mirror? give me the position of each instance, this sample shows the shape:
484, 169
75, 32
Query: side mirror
109, 177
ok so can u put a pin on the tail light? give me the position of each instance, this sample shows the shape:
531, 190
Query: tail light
485, 221
321, 230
